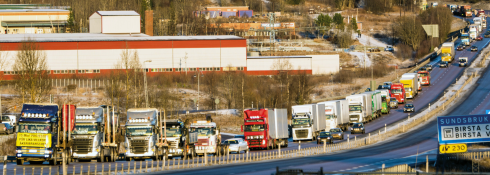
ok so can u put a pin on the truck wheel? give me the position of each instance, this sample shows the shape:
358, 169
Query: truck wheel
20, 162
52, 162
127, 159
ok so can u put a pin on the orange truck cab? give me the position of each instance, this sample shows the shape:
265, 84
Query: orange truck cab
424, 77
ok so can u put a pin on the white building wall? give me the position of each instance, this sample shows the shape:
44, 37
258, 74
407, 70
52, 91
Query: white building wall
95, 23
268, 64
160, 58
197, 57
233, 57
61, 59
325, 64
120, 24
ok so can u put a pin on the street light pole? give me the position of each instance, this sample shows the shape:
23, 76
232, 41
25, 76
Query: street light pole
198, 75
146, 86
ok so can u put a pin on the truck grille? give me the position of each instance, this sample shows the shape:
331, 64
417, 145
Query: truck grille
139, 146
302, 133
202, 142
173, 143
254, 142
82, 146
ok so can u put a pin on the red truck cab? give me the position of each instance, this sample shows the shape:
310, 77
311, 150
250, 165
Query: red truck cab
424, 77
398, 91
265, 128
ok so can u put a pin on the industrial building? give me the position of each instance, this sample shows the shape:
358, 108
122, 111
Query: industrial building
18, 21
97, 53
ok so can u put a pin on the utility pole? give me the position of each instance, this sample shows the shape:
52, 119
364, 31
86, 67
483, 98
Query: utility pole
272, 36
146, 84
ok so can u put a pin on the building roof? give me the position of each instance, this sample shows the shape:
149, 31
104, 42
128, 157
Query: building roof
276, 57
117, 13
74, 37
32, 23
33, 10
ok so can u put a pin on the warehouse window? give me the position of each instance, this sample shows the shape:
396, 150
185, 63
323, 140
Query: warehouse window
178, 69
216, 69
192, 69
240, 68
81, 71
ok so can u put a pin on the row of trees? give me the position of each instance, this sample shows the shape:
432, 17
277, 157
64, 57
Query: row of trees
409, 29
343, 31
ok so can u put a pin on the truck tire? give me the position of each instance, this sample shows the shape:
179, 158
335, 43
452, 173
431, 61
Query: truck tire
20, 162
128, 159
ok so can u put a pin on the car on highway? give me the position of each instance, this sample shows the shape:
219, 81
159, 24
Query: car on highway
460, 47
324, 136
6, 128
428, 67
236, 145
409, 108
479, 38
337, 133
357, 128
487, 34
389, 48
443, 64
474, 48
393, 103
463, 61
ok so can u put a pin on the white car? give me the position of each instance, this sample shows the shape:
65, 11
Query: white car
236, 145
10, 119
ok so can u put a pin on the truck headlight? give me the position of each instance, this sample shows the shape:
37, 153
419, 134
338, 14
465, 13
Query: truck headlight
47, 152
362, 128
261, 137
263, 142
328, 137
18, 151
351, 129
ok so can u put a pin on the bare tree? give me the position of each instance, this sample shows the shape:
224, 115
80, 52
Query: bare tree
3, 63
129, 66
31, 71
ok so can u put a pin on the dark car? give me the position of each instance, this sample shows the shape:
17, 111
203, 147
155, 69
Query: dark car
460, 47
337, 133
474, 48
409, 108
487, 34
479, 38
428, 67
443, 64
357, 128
324, 137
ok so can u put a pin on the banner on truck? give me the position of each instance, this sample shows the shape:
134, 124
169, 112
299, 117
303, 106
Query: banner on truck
463, 129
33, 140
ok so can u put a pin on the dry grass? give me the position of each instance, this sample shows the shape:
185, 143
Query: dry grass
8, 147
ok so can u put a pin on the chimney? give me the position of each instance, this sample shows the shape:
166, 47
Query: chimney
149, 22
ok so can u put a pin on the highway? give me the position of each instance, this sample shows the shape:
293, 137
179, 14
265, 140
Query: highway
419, 140
422, 139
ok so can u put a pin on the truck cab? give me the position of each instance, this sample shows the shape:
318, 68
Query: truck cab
302, 126
180, 142
87, 134
208, 139
265, 128
465, 39
10, 119
141, 137
357, 108
37, 133
398, 91
424, 77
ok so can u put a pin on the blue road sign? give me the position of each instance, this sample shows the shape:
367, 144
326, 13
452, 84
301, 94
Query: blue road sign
463, 129
487, 112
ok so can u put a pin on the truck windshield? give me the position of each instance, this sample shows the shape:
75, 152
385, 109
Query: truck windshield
408, 89
85, 129
173, 132
396, 91
355, 108
446, 54
43, 128
330, 116
301, 121
5, 118
204, 131
465, 37
423, 74
138, 131
254, 128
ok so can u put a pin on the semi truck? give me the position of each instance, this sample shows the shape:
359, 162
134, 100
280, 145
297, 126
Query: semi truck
478, 22
266, 128
208, 138
419, 79
308, 121
473, 30
142, 133
358, 110
374, 104
466, 10
465, 38
410, 84
398, 91
424, 77
480, 13
385, 100
179, 141
92, 136
336, 114
447, 51
40, 133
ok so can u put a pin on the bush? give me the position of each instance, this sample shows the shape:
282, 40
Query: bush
344, 40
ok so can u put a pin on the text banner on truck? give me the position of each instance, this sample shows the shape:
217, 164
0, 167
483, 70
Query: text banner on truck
463, 129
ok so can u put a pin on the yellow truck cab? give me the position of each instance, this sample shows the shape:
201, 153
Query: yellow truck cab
447, 51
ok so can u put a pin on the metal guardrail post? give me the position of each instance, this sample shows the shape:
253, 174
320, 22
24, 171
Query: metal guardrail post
5, 165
